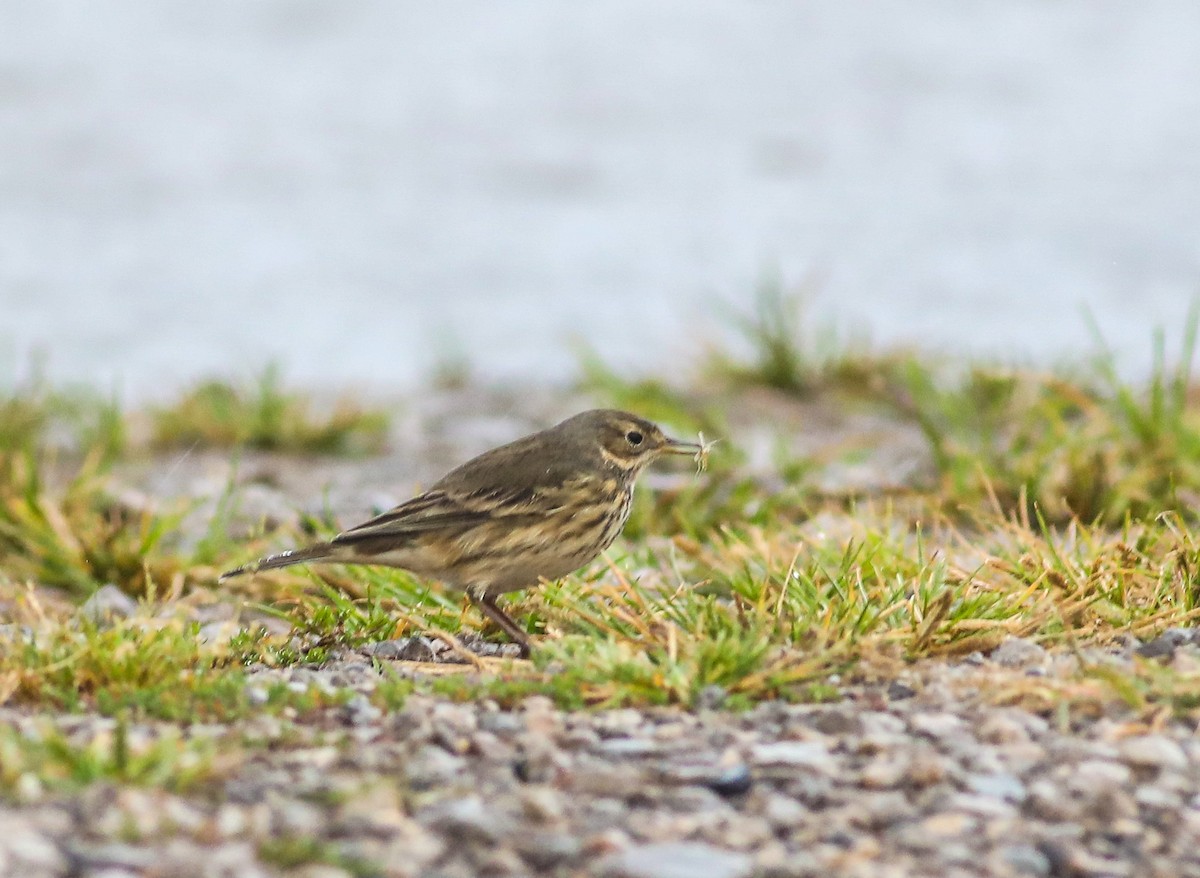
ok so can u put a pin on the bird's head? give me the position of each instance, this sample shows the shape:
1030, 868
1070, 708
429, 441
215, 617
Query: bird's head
624, 440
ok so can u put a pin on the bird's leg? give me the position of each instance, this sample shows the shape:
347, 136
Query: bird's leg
492, 610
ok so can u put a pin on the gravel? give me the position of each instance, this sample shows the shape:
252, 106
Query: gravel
945, 783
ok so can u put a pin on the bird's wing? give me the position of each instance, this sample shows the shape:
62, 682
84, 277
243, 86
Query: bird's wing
474, 492
435, 511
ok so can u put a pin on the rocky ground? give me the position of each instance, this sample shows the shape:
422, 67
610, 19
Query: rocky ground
938, 772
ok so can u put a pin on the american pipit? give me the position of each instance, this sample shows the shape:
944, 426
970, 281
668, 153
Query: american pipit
537, 508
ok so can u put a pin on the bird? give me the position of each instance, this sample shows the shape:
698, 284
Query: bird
535, 509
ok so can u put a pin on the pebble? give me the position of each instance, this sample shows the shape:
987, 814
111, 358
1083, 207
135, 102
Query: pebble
711, 697
603, 780
432, 766
1026, 860
997, 786
1165, 645
733, 781
28, 851
936, 726
406, 649
1018, 652
623, 748
809, 755
838, 722
675, 860
1001, 727
981, 806
784, 813
1153, 751
1095, 775
466, 819
547, 850
107, 604
359, 711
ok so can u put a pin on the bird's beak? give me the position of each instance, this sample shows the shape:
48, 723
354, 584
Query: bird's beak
674, 446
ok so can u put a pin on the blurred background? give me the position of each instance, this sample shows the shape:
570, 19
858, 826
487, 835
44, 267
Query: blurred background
364, 190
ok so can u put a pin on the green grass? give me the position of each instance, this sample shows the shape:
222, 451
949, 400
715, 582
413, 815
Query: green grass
1080, 443
80, 537
1097, 451
293, 851
262, 414
74, 419
783, 352
45, 760
770, 613
144, 666
62, 523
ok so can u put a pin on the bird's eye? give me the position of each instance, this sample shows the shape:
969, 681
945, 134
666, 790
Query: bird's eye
634, 437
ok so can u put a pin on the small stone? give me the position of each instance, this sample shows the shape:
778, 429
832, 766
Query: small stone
1153, 751
882, 733
219, 632
691, 800
811, 755
603, 780
1002, 728
1018, 652
883, 773
297, 817
936, 726
543, 804
229, 821
1095, 775
182, 816
377, 811
431, 766
876, 811
1159, 647
997, 786
619, 723
733, 781
675, 860
838, 722
1165, 644
1026, 860
711, 697
359, 711
1049, 801
981, 806
948, 824
622, 748
898, 691
784, 813
404, 649
107, 604
468, 818
545, 850
1155, 797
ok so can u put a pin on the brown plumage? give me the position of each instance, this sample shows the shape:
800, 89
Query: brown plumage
537, 508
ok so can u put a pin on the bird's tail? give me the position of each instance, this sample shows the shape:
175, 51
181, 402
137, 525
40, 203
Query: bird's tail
319, 552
